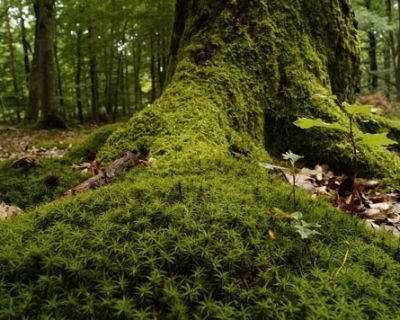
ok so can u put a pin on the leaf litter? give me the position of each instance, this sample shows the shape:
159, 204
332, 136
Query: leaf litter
379, 209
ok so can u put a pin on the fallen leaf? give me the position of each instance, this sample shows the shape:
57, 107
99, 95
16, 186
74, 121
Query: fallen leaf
381, 206
7, 211
272, 235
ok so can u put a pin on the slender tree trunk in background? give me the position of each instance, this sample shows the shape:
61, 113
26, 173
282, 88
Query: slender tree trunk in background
60, 91
387, 66
372, 53
32, 111
45, 19
372, 56
397, 50
137, 60
78, 75
10, 42
108, 76
25, 45
164, 55
392, 47
153, 69
159, 64
93, 74
117, 86
127, 99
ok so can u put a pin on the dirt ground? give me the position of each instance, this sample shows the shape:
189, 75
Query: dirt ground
15, 142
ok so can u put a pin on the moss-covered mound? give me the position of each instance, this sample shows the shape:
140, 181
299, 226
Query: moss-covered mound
193, 246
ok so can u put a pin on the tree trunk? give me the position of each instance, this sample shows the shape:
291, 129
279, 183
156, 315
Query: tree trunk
241, 73
137, 60
60, 91
32, 111
387, 66
153, 69
93, 74
47, 77
10, 42
78, 75
25, 44
372, 56
397, 72
109, 58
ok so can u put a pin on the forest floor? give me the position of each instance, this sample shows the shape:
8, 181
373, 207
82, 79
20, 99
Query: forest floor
18, 142
380, 208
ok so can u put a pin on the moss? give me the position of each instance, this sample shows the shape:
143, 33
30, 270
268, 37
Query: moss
90, 147
27, 187
192, 245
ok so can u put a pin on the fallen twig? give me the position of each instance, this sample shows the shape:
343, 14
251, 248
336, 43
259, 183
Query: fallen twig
346, 257
108, 174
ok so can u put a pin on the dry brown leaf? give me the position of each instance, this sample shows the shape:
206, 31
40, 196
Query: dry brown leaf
7, 212
272, 235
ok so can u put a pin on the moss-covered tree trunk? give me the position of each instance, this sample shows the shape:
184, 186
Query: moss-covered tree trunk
242, 71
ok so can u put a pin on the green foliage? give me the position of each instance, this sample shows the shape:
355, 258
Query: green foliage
367, 139
304, 229
305, 123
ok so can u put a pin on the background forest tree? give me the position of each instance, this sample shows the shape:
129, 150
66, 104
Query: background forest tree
379, 26
110, 58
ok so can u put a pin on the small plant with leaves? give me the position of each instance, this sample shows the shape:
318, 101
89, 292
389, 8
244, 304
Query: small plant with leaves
354, 138
292, 158
304, 229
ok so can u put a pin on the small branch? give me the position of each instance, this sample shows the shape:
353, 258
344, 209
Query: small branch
107, 175
346, 257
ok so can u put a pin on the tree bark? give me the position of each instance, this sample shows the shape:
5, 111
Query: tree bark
78, 75
50, 116
32, 111
137, 60
93, 74
397, 74
25, 44
10, 42
60, 91
372, 56
241, 73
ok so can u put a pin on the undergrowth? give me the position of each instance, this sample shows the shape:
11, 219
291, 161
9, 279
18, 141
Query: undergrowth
193, 246
27, 188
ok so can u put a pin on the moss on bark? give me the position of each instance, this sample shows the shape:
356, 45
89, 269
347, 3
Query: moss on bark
241, 73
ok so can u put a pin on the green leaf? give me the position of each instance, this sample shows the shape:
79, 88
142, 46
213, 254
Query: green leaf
291, 156
360, 109
325, 97
375, 140
305, 123
305, 233
270, 166
296, 216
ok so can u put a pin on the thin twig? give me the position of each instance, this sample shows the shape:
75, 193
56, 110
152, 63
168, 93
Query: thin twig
346, 257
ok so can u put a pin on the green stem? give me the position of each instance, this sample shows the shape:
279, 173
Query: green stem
354, 160
294, 186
